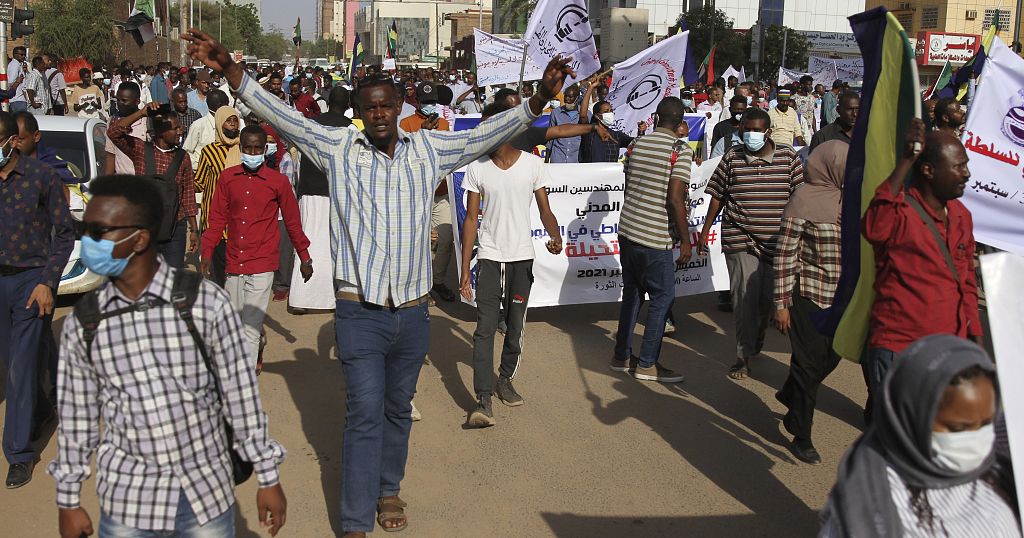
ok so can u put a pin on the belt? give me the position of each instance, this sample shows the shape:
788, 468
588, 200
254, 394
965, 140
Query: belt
355, 297
10, 270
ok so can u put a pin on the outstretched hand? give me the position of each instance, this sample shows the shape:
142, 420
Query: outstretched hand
207, 50
551, 82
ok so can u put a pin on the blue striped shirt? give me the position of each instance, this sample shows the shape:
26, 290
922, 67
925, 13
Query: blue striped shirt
380, 222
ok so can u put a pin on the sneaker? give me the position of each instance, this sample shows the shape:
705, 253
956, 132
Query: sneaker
657, 372
482, 416
670, 328
444, 293
507, 393
416, 415
624, 365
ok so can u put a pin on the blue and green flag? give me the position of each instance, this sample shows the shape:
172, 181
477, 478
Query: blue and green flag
358, 55
393, 40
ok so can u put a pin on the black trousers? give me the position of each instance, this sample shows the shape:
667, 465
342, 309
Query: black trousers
813, 360
490, 300
219, 264
286, 257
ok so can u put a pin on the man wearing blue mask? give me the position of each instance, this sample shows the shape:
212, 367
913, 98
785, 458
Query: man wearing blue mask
247, 201
756, 178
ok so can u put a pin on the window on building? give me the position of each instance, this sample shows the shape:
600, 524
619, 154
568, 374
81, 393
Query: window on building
772, 12
929, 17
906, 19
1004, 19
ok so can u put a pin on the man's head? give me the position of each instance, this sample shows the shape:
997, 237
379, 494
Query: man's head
216, 99
125, 211
49, 60
715, 95
203, 80
167, 128
670, 113
733, 81
295, 88
737, 107
338, 100
806, 83
379, 102
179, 99
849, 107
837, 87
602, 92
275, 82
19, 54
509, 96
128, 98
929, 108
942, 166
526, 91
785, 99
162, 67
27, 138
949, 114
253, 143
819, 89
755, 129
471, 79
39, 64
85, 76
572, 97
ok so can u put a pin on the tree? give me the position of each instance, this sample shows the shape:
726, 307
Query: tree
323, 48
514, 15
274, 46
713, 28
72, 28
771, 51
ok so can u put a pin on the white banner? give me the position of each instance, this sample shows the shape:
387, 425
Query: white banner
994, 138
826, 76
499, 60
587, 200
641, 82
563, 27
731, 71
845, 69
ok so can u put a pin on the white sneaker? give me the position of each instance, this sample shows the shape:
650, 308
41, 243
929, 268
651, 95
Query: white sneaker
416, 416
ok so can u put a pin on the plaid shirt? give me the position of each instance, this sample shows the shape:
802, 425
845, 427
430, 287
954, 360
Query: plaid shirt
135, 149
381, 207
163, 421
811, 252
187, 118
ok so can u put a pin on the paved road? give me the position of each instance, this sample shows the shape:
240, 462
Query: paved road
593, 453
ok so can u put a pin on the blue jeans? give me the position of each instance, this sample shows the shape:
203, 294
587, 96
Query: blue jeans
173, 250
650, 271
382, 350
18, 106
875, 363
21, 333
185, 525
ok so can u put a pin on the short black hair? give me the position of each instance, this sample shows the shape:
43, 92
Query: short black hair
493, 109
806, 78
738, 99
7, 123
670, 112
83, 73
942, 107
28, 120
37, 61
504, 93
183, 91
138, 192
218, 98
755, 114
131, 88
21, 49
339, 98
253, 129
846, 97
374, 81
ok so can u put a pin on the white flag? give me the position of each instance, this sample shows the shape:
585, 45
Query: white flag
731, 71
499, 60
641, 82
994, 139
562, 27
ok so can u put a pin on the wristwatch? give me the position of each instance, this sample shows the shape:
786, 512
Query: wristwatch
307, 263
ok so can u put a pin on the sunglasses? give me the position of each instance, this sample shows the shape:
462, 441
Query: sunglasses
97, 232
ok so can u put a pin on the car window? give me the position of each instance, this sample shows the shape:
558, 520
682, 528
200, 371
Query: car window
99, 143
70, 146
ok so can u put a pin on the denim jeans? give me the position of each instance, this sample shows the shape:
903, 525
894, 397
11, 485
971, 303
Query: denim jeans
874, 365
18, 106
382, 350
185, 525
651, 271
173, 250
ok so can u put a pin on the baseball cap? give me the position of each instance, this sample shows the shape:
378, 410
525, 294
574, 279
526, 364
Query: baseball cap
203, 76
426, 92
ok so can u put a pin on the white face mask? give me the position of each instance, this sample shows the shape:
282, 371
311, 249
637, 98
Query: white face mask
962, 452
608, 118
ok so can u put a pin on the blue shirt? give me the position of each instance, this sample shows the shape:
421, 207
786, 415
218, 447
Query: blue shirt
198, 104
158, 89
381, 206
564, 150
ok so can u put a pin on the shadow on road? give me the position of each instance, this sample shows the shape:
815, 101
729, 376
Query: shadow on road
565, 525
450, 345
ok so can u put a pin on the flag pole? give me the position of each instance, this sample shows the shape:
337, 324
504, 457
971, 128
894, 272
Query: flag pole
522, 66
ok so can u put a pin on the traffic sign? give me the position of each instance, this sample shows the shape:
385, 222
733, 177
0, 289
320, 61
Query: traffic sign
6, 10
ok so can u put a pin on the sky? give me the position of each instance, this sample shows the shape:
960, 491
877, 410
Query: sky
282, 13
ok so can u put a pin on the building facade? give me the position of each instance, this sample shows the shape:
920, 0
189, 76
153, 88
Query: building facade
424, 27
951, 16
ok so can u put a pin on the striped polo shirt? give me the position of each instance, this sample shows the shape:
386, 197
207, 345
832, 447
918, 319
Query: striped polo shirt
754, 191
645, 216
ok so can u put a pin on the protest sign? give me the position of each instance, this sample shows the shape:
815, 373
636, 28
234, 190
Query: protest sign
587, 200
562, 27
499, 60
845, 69
641, 82
994, 138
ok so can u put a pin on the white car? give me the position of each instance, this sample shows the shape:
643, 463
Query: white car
81, 142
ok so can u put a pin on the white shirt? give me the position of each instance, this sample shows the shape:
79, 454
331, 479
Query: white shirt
13, 72
123, 164
57, 86
34, 81
504, 233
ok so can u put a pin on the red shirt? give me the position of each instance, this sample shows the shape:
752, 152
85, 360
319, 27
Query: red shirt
307, 106
247, 204
916, 294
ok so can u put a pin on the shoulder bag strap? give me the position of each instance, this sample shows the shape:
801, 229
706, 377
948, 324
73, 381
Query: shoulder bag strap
172, 169
150, 161
935, 233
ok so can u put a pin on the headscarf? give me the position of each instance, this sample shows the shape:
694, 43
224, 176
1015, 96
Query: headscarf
900, 437
819, 198
234, 156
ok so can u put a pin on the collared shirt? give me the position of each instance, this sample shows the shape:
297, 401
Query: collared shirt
158, 89
593, 149
381, 206
565, 150
754, 192
247, 204
912, 274
14, 70
163, 419
829, 106
832, 131
35, 228
187, 118
645, 215
135, 149
35, 81
812, 252
785, 126
194, 101
306, 105
56, 85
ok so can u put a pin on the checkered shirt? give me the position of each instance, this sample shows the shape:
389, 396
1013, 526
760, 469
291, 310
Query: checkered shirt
163, 421
810, 252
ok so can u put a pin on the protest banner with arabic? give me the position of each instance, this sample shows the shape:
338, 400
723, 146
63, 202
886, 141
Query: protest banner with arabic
499, 60
845, 69
587, 200
994, 139
641, 82
562, 27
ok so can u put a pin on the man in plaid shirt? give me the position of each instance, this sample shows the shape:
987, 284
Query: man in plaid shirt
162, 460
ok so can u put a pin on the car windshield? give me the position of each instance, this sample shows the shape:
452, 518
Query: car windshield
70, 146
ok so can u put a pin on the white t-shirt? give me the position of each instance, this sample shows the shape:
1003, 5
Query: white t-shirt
507, 195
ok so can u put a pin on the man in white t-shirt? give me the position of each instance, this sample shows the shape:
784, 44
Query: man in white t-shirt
17, 68
508, 181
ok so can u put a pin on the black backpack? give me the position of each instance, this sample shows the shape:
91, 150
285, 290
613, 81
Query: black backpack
184, 292
167, 185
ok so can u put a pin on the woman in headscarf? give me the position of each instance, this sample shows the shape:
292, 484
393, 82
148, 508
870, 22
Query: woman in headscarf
926, 466
807, 267
216, 156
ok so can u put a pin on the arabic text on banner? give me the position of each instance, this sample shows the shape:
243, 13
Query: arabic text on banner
994, 138
641, 82
845, 69
562, 27
587, 200
499, 60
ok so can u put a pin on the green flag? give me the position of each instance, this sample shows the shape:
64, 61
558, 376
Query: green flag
944, 77
297, 38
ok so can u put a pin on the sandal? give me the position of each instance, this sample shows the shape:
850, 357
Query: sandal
391, 509
740, 370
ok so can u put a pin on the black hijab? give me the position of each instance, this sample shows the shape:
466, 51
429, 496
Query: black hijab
900, 437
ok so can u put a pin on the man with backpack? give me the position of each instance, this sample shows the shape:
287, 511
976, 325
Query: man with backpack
158, 355
56, 85
167, 165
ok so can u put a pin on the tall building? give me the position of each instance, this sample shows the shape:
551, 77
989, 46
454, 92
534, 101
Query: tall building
424, 29
951, 16
330, 23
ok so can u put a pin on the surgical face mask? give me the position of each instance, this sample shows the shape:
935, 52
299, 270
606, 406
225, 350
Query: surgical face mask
271, 148
608, 118
98, 256
688, 103
106, 81
6, 155
570, 106
429, 109
753, 140
253, 162
962, 452
750, 100
230, 133
737, 116
452, 78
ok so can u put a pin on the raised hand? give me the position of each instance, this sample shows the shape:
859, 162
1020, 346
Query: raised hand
554, 77
207, 50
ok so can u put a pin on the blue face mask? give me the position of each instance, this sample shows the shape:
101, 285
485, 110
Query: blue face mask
429, 109
750, 100
271, 148
688, 103
98, 256
6, 156
253, 162
753, 140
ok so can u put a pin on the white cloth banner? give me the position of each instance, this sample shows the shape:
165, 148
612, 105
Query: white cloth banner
562, 27
587, 199
994, 138
499, 60
641, 82
731, 71
845, 69
826, 76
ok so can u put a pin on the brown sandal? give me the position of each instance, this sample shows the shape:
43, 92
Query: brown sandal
392, 509
740, 370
